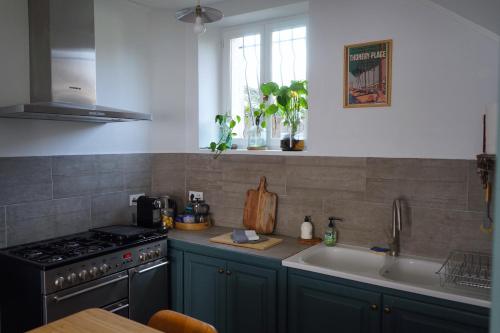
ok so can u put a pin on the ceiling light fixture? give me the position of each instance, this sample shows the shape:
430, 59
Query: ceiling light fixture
199, 16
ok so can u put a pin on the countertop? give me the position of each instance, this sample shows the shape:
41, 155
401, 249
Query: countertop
287, 248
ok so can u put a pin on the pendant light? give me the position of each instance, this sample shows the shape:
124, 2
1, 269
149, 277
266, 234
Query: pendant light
199, 16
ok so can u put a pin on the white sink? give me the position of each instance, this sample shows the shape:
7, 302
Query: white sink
412, 271
345, 259
415, 275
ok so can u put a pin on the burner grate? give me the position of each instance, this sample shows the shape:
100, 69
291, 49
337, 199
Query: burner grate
61, 249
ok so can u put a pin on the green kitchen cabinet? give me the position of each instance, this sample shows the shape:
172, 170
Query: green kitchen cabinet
234, 297
321, 303
320, 306
176, 289
205, 289
251, 299
409, 316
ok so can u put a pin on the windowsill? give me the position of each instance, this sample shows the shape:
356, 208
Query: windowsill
268, 152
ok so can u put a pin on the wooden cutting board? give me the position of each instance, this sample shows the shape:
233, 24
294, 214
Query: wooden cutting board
260, 209
226, 239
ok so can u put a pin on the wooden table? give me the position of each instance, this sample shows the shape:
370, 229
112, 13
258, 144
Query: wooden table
94, 321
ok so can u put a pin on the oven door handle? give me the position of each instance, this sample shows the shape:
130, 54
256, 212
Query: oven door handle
140, 271
120, 306
58, 299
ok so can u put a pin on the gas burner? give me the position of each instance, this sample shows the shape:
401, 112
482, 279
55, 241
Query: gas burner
93, 248
52, 259
71, 244
32, 254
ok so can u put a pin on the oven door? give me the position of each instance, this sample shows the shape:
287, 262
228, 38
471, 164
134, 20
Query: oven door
148, 290
119, 308
100, 293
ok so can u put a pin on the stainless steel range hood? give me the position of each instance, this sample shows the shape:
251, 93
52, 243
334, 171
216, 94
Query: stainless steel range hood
63, 66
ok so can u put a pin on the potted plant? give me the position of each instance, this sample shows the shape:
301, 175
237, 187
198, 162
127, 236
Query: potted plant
256, 133
291, 104
226, 125
255, 121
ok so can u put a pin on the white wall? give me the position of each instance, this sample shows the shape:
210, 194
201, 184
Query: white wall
168, 82
140, 66
444, 74
209, 78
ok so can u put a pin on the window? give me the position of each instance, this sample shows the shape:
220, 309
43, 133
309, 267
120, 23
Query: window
255, 54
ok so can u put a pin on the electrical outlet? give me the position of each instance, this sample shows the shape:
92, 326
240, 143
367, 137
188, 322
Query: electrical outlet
132, 199
197, 195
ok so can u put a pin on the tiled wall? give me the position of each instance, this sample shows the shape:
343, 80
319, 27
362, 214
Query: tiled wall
443, 206
43, 197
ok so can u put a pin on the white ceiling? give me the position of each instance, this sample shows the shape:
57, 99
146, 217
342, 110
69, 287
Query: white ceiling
482, 12
174, 4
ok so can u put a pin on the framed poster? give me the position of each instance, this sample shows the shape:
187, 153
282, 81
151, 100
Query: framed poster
368, 74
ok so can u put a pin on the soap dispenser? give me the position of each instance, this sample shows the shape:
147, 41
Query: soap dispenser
306, 229
330, 238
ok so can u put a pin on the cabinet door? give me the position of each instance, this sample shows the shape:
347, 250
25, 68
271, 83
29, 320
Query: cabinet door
176, 272
205, 289
403, 315
251, 299
320, 306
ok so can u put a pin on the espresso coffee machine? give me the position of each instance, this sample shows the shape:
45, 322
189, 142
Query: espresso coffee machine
149, 212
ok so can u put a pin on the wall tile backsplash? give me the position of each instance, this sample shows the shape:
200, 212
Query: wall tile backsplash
443, 203
48, 197
43, 197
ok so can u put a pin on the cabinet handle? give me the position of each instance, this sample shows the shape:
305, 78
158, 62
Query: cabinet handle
374, 307
221, 270
228, 273
387, 310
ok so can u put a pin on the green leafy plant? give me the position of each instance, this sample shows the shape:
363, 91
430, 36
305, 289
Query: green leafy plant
226, 126
290, 102
255, 111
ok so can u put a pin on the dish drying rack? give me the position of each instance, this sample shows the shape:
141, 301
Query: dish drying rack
470, 269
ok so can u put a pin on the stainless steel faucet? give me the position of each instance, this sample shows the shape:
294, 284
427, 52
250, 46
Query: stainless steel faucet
394, 246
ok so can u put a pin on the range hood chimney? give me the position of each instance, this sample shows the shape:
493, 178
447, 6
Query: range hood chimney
63, 66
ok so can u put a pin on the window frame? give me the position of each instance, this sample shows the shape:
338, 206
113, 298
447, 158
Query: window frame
265, 29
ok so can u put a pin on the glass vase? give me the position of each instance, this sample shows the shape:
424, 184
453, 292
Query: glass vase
292, 139
257, 138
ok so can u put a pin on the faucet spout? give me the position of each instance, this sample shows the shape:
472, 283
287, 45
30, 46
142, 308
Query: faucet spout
396, 228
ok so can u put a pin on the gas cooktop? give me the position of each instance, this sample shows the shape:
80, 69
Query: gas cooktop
75, 247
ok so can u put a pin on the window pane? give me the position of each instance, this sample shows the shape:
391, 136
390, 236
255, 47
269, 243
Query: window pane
289, 60
245, 76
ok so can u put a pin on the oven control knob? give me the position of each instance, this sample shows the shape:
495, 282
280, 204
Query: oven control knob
151, 254
71, 278
142, 257
105, 268
83, 275
157, 252
93, 271
59, 281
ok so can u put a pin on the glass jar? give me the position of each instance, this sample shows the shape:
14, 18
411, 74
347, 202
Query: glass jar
292, 139
257, 138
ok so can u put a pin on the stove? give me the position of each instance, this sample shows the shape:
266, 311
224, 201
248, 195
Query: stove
118, 268
64, 250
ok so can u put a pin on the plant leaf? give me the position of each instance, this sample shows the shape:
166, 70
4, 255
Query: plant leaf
213, 145
222, 146
272, 109
232, 124
219, 118
263, 124
238, 118
269, 88
303, 103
